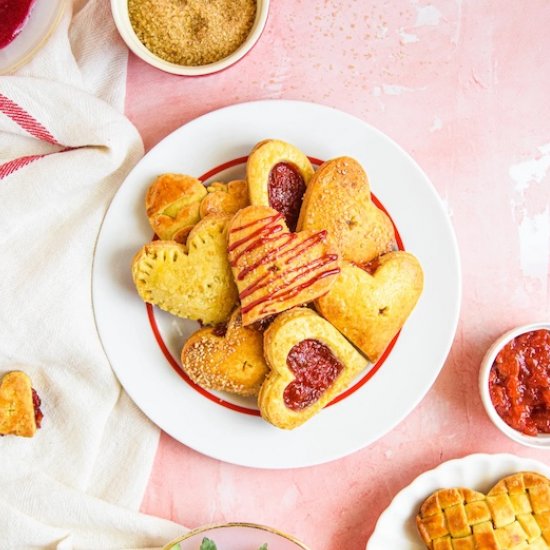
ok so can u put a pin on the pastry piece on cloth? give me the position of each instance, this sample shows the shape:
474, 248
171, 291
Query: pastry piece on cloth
338, 198
277, 174
515, 514
311, 363
190, 280
19, 405
172, 205
227, 357
370, 308
225, 198
274, 269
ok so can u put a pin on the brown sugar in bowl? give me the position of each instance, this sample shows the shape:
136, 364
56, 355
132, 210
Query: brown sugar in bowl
191, 38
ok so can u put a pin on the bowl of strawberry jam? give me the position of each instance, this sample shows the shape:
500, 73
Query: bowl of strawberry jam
514, 383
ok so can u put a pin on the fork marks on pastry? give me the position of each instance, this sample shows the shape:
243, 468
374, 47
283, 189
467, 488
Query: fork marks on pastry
192, 281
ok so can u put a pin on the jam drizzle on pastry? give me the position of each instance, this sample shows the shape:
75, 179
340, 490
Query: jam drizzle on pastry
282, 250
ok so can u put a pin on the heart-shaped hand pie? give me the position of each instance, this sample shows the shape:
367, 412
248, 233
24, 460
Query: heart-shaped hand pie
274, 269
225, 198
17, 411
172, 205
370, 309
193, 281
514, 515
311, 363
226, 358
338, 199
277, 175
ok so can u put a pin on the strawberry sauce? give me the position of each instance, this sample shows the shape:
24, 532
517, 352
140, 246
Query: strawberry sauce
13, 16
519, 382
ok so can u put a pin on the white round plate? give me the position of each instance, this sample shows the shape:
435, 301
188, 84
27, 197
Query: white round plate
396, 527
43, 20
237, 536
197, 418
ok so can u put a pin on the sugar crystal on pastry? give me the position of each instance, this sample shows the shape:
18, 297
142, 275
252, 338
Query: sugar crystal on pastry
230, 359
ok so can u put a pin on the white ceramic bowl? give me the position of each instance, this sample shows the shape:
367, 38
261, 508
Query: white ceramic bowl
119, 9
541, 441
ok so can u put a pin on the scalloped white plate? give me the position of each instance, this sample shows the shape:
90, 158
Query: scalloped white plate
396, 528
144, 345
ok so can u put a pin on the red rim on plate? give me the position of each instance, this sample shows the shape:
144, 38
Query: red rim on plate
228, 404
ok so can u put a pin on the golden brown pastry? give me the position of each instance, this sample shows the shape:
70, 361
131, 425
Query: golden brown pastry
192, 281
172, 205
274, 269
311, 363
277, 174
338, 199
370, 308
225, 198
19, 405
226, 357
514, 515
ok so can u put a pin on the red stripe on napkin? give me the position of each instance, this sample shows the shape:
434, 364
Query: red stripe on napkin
25, 120
11, 166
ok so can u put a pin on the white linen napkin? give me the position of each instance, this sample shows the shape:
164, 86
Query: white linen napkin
64, 149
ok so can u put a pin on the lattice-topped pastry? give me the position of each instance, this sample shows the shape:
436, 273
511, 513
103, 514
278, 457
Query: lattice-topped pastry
514, 515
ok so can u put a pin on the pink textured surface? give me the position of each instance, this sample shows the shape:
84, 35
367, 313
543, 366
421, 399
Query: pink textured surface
463, 87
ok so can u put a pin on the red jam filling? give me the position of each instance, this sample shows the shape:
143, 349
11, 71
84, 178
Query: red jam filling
286, 188
263, 324
36, 402
371, 267
519, 382
13, 16
220, 330
315, 368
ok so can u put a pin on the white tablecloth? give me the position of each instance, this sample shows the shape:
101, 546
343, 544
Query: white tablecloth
64, 149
